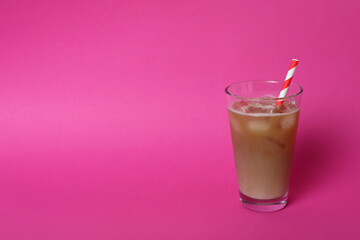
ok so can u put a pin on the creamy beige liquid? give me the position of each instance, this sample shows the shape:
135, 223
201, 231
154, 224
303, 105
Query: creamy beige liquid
263, 145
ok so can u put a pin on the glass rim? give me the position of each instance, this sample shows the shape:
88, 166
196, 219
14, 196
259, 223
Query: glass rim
263, 99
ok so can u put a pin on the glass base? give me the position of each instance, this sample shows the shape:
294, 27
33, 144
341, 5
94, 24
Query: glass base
258, 205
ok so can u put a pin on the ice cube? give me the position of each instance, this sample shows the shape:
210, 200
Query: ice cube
258, 125
286, 106
287, 121
239, 105
236, 127
282, 108
235, 124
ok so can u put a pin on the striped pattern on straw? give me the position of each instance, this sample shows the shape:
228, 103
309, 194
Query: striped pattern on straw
287, 82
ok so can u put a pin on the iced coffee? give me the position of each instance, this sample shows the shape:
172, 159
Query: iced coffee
263, 142
263, 139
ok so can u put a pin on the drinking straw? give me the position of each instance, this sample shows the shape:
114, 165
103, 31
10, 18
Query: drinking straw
287, 81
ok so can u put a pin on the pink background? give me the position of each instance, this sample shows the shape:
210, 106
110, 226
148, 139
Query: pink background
113, 122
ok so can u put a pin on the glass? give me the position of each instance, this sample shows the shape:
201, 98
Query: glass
263, 139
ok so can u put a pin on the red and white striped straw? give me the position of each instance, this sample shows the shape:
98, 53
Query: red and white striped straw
287, 82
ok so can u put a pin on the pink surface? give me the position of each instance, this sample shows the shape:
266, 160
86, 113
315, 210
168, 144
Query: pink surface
113, 120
